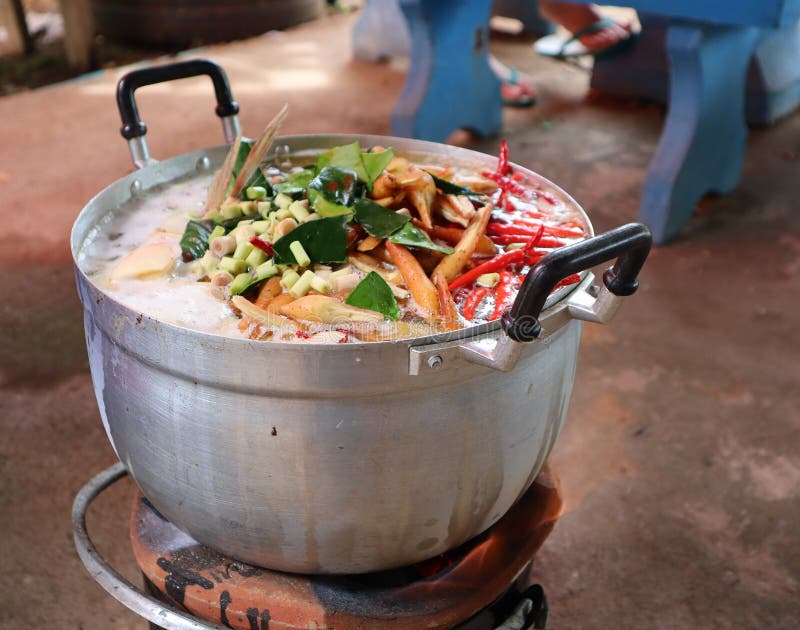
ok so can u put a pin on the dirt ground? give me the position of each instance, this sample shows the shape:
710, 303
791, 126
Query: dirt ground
679, 460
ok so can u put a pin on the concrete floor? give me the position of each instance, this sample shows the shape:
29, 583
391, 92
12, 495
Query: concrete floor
679, 462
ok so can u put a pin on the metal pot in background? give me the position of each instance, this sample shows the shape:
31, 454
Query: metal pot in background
339, 458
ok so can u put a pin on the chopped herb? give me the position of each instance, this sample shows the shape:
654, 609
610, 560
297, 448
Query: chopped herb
374, 293
194, 241
414, 237
324, 240
377, 220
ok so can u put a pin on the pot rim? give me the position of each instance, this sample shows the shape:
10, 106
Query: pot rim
200, 159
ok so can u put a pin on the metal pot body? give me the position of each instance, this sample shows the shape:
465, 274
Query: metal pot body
326, 458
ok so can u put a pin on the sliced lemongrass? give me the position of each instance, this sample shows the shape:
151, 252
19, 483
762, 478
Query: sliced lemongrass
299, 210
256, 193
256, 257
243, 232
222, 245
232, 265
231, 211
243, 249
240, 283
283, 201
341, 272
320, 285
289, 277
303, 285
249, 208
261, 226
300, 254
266, 270
216, 233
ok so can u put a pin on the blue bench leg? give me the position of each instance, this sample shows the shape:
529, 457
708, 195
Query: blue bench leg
449, 84
703, 142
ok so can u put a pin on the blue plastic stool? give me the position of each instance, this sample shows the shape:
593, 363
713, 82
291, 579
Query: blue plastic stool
449, 85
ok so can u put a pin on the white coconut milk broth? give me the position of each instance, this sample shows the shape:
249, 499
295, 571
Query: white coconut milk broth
160, 216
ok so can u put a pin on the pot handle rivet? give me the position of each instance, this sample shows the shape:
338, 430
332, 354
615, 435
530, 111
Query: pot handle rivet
435, 362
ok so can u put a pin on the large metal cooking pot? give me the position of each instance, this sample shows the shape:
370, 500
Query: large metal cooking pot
338, 458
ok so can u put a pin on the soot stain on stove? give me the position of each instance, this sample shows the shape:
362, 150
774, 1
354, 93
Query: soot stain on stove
178, 578
255, 620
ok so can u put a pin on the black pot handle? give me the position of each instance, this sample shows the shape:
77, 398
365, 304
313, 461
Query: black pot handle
132, 125
629, 244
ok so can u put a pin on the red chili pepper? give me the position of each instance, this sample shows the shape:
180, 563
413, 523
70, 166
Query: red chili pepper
550, 242
568, 280
508, 239
301, 334
510, 228
507, 233
552, 230
264, 246
502, 158
547, 197
536, 239
534, 214
501, 199
504, 294
535, 256
507, 184
472, 302
498, 263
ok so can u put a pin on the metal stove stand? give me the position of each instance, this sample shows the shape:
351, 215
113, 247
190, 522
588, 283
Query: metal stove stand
514, 610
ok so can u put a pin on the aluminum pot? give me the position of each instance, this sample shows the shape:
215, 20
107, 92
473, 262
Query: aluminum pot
338, 458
